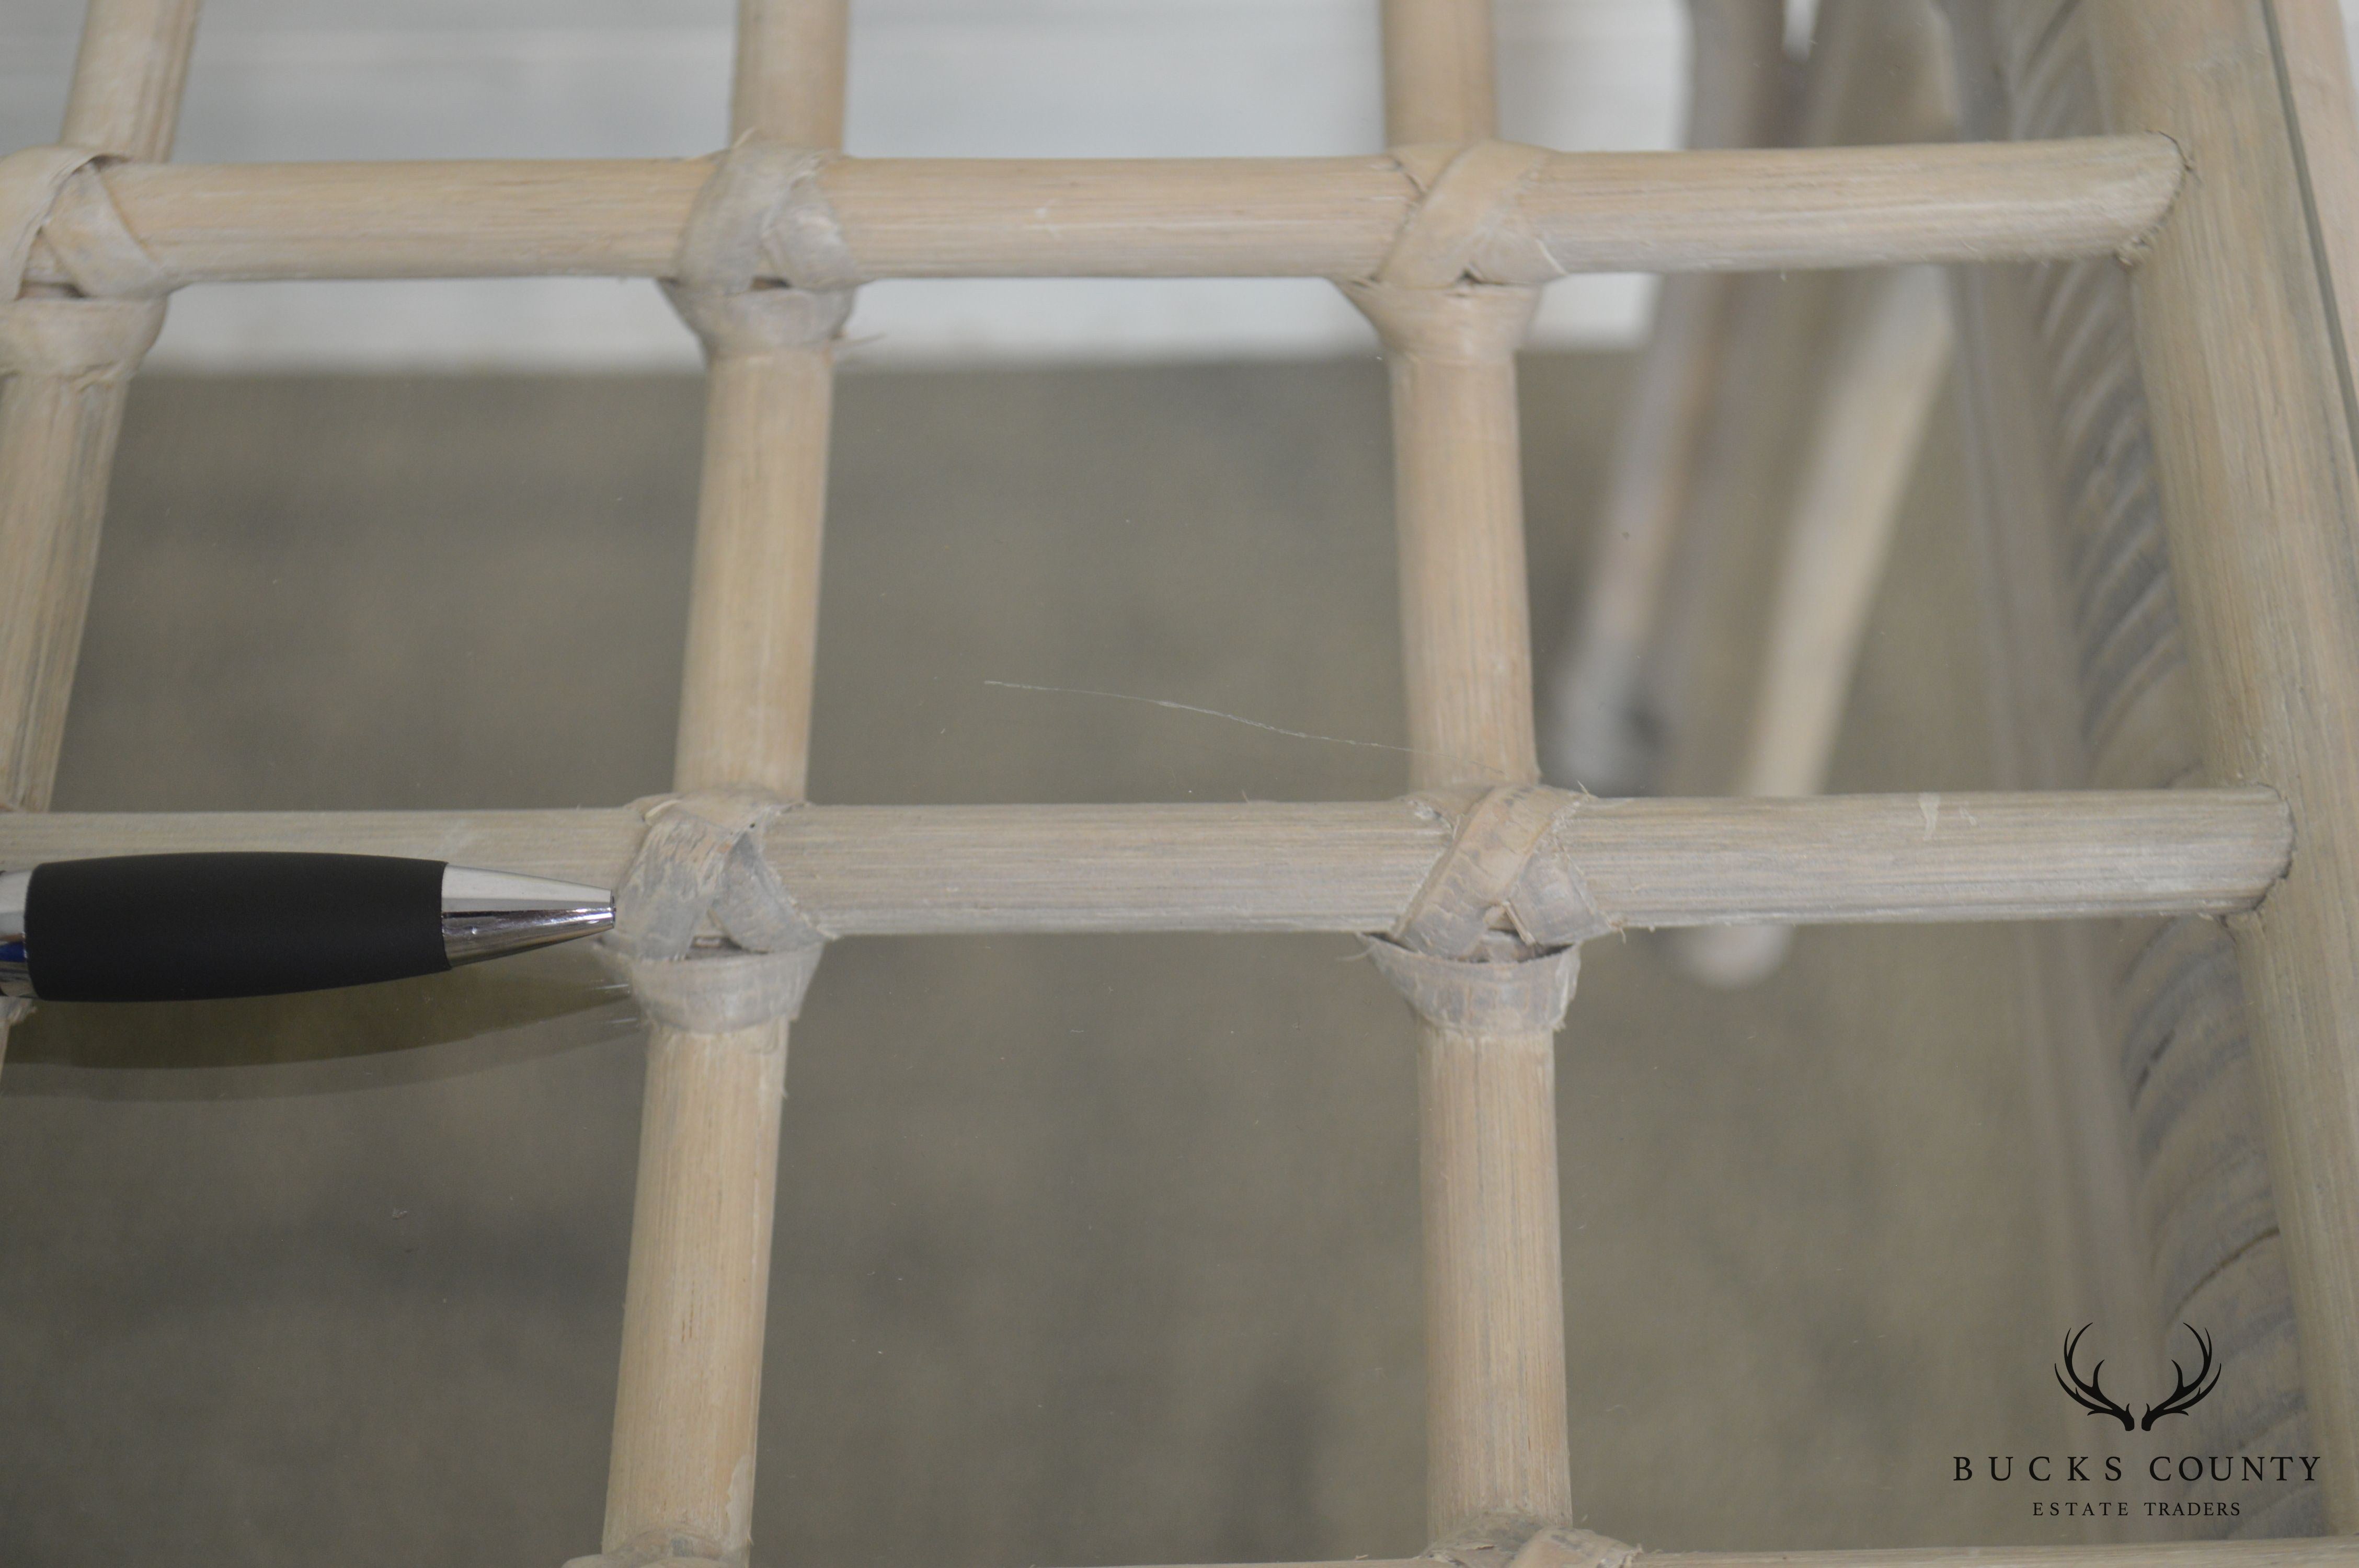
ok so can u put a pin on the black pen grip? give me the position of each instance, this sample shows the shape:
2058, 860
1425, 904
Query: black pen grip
183, 927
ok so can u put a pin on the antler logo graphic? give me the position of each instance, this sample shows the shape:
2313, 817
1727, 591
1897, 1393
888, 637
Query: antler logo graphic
2187, 1396
2091, 1396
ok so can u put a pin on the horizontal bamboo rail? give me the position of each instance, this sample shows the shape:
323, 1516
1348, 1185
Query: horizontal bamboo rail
1751, 208
1351, 867
2319, 1551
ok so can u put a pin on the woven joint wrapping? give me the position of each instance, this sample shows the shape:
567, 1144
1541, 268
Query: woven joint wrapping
1458, 279
1467, 226
762, 216
1490, 943
709, 938
53, 196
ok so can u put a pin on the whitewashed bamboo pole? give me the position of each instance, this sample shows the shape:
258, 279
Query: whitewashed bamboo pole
2309, 1553
1597, 736
1439, 71
59, 420
2313, 1552
1497, 1443
687, 1406
2248, 380
57, 428
128, 75
1721, 211
890, 871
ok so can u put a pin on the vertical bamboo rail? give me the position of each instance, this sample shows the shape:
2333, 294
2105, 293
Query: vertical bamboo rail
58, 423
1496, 1440
1439, 75
2249, 385
688, 1405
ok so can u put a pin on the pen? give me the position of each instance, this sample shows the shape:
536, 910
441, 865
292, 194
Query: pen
185, 927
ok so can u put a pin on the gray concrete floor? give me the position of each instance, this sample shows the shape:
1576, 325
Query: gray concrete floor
1090, 1252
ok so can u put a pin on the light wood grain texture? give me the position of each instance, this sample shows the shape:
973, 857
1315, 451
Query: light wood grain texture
687, 1406
1439, 69
58, 432
2323, 1552
1496, 1440
1458, 494
57, 449
2247, 382
2327, 1552
128, 75
752, 629
1598, 736
1725, 210
894, 870
2312, 1554
788, 81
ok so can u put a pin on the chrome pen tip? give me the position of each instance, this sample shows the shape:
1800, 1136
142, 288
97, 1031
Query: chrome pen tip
490, 915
